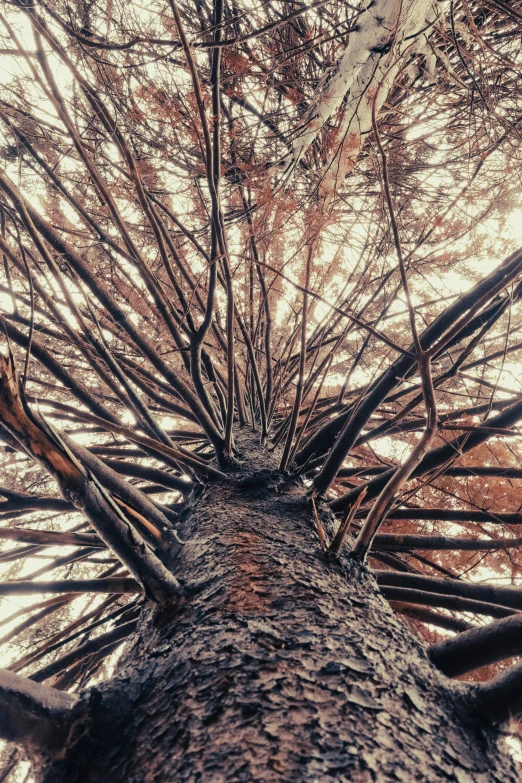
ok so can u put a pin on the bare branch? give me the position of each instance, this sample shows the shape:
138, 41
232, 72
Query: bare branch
500, 698
32, 715
479, 647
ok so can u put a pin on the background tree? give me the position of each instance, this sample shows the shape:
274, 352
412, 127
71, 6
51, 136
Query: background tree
259, 391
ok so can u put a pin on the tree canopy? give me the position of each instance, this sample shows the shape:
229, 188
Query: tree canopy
297, 218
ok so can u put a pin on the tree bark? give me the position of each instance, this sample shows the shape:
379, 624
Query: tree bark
279, 663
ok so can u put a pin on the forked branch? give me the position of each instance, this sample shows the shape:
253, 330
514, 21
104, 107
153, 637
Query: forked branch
80, 486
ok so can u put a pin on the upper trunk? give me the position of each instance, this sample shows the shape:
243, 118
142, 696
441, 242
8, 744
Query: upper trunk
279, 664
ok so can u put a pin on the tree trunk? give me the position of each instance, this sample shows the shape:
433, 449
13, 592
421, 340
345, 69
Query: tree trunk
280, 664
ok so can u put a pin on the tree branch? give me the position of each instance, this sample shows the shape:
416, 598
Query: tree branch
33, 715
500, 698
114, 584
456, 603
479, 647
505, 596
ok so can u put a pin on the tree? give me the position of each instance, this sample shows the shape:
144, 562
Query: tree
259, 402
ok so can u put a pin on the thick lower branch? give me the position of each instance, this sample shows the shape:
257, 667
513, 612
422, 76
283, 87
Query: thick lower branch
479, 647
503, 596
500, 699
32, 715
404, 543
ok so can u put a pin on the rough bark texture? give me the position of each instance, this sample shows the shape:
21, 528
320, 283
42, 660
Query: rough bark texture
278, 665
